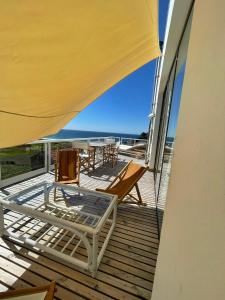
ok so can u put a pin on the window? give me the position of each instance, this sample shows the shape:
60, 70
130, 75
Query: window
168, 123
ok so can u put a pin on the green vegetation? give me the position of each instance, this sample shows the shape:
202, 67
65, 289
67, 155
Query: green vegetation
143, 136
61, 145
21, 159
20, 150
11, 153
8, 171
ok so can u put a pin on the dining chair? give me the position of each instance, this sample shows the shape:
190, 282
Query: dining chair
107, 149
113, 153
86, 154
67, 167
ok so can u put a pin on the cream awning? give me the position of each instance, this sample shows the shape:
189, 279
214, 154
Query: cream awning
57, 56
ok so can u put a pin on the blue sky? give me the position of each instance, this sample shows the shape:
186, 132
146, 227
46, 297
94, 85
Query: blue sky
114, 111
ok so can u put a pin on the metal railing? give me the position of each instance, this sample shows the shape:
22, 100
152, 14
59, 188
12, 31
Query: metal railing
29, 160
132, 142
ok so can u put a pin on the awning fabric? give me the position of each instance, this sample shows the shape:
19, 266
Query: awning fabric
57, 56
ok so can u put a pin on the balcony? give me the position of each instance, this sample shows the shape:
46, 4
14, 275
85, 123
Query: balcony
128, 265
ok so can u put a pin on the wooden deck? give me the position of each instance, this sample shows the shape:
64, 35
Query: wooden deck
128, 266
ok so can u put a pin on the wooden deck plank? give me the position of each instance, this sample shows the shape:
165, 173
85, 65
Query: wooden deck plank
140, 232
37, 276
139, 235
45, 259
128, 265
106, 269
146, 228
10, 280
120, 241
136, 275
3, 288
137, 239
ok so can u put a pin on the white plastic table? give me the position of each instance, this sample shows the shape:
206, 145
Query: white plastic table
70, 230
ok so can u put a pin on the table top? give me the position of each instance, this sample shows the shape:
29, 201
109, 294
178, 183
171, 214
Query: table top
98, 144
76, 204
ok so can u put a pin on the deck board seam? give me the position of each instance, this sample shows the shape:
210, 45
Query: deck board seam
47, 256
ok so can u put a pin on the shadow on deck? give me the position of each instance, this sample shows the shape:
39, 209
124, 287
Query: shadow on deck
128, 265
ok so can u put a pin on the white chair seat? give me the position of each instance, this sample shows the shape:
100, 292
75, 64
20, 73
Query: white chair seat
83, 155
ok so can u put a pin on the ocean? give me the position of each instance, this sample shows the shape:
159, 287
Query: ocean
68, 134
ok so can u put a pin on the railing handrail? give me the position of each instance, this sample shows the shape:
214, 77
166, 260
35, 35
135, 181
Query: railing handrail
49, 140
46, 140
124, 138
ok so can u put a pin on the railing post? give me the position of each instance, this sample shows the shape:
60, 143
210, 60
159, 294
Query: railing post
1, 220
49, 155
46, 157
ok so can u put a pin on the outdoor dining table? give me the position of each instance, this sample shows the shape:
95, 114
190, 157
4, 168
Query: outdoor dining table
98, 144
99, 147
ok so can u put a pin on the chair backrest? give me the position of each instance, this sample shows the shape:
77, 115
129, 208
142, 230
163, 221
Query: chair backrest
133, 172
117, 144
83, 145
67, 164
109, 141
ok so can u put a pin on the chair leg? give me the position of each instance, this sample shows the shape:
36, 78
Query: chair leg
54, 193
117, 158
138, 193
88, 166
112, 161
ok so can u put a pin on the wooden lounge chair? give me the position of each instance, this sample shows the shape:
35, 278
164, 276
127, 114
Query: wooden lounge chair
67, 167
45, 292
125, 181
137, 150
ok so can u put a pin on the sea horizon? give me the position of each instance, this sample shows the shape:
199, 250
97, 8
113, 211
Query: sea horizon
72, 133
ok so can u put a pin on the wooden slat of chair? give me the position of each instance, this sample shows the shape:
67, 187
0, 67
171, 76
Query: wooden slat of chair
119, 176
125, 181
49, 289
106, 154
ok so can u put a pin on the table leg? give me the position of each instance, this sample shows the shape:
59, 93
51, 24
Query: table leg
94, 254
1, 220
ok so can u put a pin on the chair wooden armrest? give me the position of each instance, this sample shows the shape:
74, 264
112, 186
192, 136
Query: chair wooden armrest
45, 292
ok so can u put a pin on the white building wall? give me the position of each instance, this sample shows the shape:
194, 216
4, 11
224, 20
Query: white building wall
191, 261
